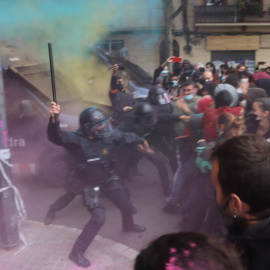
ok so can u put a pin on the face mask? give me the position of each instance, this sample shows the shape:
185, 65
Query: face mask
164, 71
244, 103
174, 83
244, 80
220, 133
188, 97
120, 86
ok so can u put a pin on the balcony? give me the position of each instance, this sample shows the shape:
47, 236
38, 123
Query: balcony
231, 15
215, 14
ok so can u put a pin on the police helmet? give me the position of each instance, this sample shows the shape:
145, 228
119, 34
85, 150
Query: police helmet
94, 122
145, 114
158, 96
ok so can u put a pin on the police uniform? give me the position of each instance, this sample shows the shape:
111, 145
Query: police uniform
94, 172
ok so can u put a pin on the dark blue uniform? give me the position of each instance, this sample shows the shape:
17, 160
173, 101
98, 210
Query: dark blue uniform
94, 168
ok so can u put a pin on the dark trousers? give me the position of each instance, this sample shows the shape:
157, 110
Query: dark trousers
158, 160
116, 193
129, 157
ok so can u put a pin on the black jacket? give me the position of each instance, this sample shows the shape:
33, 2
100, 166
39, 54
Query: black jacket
119, 99
94, 158
253, 245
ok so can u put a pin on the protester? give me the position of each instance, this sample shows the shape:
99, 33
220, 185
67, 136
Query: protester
187, 251
240, 176
261, 109
209, 119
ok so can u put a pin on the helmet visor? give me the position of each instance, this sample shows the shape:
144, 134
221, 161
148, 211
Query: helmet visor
163, 99
103, 128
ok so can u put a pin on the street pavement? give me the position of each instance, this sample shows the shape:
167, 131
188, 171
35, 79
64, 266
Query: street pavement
48, 248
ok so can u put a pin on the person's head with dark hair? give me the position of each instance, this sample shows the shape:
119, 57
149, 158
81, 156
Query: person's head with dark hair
244, 75
208, 88
241, 178
211, 67
232, 70
241, 67
223, 69
189, 82
186, 64
233, 80
187, 251
261, 108
190, 90
223, 99
119, 83
174, 78
254, 93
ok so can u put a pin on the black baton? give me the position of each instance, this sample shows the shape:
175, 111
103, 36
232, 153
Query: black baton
52, 76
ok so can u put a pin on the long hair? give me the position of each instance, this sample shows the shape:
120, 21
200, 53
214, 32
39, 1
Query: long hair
233, 126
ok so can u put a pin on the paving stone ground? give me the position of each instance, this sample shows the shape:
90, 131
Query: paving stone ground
48, 248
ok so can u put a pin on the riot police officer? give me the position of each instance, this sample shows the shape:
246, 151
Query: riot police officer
163, 135
143, 122
92, 147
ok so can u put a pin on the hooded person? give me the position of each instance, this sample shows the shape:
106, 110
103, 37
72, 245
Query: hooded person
207, 100
231, 90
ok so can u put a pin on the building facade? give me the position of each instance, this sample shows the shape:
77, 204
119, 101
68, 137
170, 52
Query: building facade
232, 31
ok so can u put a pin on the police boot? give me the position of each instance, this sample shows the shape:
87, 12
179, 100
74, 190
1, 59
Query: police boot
49, 217
134, 228
78, 258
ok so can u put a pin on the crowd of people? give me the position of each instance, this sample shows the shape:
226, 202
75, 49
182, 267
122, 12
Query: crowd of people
208, 128
194, 109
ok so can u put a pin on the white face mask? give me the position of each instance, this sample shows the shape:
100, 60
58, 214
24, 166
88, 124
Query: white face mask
174, 83
244, 80
165, 71
244, 103
189, 97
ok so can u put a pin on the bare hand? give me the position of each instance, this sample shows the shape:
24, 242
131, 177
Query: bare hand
169, 60
127, 108
175, 98
54, 109
185, 118
115, 69
145, 147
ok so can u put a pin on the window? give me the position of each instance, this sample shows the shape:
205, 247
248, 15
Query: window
112, 47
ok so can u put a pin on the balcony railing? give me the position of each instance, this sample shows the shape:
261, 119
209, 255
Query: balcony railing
216, 14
